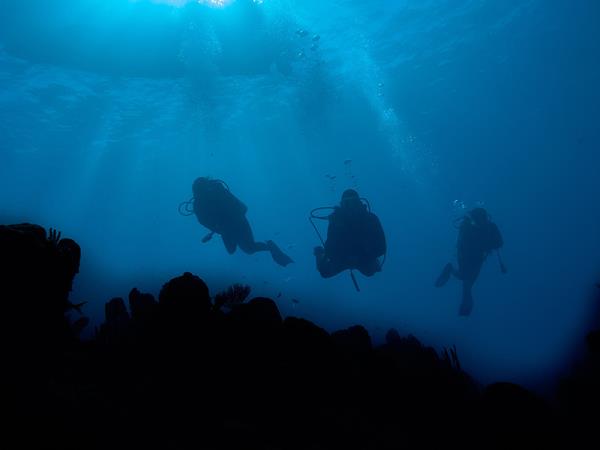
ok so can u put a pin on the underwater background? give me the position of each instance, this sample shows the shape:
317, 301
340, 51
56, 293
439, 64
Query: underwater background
109, 109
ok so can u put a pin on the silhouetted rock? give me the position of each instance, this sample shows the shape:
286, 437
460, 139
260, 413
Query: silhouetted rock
355, 340
79, 325
593, 341
512, 415
143, 307
304, 334
392, 337
180, 373
261, 311
579, 393
68, 259
409, 352
185, 296
116, 325
36, 274
116, 313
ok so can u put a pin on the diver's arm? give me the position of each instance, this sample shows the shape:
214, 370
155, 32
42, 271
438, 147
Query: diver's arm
208, 237
498, 236
503, 268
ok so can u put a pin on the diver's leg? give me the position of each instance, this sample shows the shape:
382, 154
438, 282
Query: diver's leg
466, 305
230, 243
325, 266
370, 268
249, 245
468, 268
253, 247
469, 274
245, 238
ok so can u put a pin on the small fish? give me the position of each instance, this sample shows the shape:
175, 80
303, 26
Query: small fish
80, 324
279, 295
77, 306
316, 38
295, 301
301, 32
348, 162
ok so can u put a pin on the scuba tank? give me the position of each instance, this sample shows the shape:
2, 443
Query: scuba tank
219, 188
215, 199
316, 214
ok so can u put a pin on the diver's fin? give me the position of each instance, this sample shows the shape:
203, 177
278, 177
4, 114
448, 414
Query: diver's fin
278, 256
444, 276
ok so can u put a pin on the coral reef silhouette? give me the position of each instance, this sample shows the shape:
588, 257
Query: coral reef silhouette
182, 373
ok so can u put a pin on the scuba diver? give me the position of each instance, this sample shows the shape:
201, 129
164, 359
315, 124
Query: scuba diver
478, 236
355, 239
222, 213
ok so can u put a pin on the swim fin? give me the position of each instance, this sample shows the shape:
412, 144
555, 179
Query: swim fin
278, 256
444, 276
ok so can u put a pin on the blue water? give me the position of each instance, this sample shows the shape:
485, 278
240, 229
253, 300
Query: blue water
109, 109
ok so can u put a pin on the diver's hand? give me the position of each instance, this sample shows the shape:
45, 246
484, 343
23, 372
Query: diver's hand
54, 236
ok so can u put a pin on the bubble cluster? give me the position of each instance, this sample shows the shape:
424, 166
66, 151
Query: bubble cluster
458, 205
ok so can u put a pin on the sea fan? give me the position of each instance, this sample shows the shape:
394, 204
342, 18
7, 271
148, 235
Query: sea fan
450, 357
234, 295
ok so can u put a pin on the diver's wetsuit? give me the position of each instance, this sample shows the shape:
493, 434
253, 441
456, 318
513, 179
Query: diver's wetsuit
220, 211
475, 243
355, 240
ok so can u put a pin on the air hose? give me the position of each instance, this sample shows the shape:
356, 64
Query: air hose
186, 208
